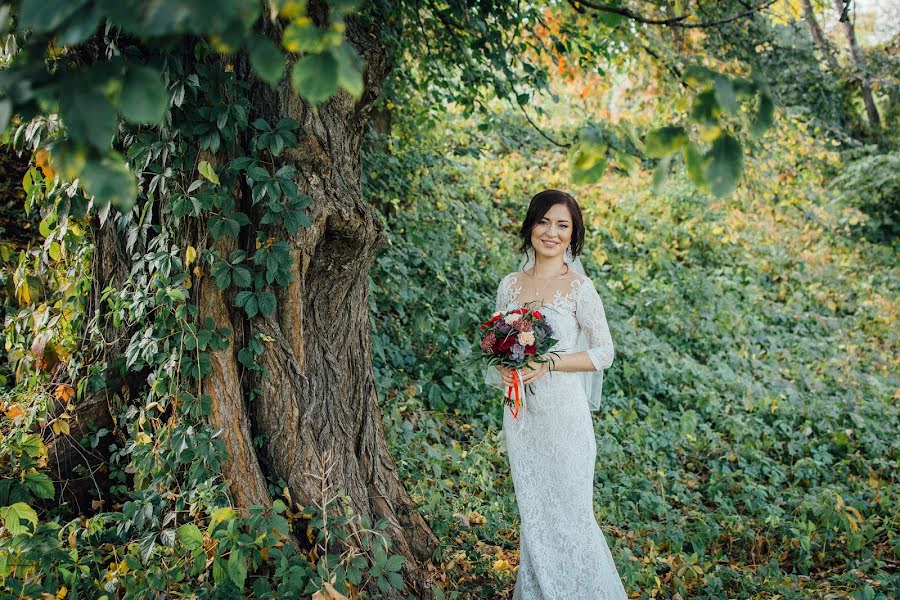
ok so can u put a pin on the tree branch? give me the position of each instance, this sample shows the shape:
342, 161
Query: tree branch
680, 21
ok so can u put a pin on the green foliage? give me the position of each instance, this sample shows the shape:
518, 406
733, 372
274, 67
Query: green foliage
91, 91
746, 449
167, 527
868, 181
746, 444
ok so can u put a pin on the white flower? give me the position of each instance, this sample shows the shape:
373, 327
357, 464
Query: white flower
510, 319
526, 338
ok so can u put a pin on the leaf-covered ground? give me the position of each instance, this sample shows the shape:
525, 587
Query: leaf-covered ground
747, 446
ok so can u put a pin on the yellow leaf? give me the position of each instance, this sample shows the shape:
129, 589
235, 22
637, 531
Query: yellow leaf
226, 513
23, 292
476, 518
63, 591
501, 565
60, 427
143, 438
190, 255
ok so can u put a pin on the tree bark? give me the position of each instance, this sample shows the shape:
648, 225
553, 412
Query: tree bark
318, 408
862, 73
818, 37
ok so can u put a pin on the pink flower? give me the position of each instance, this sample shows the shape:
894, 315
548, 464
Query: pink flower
522, 325
488, 341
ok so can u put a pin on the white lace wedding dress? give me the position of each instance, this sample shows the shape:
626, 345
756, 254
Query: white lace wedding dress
562, 551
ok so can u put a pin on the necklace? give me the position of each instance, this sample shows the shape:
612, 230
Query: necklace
543, 286
557, 276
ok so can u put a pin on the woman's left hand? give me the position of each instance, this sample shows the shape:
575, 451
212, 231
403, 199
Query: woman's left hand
532, 371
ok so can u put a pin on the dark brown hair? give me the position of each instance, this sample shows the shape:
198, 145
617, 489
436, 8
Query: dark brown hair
539, 206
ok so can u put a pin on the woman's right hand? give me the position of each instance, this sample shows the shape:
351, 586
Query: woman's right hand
505, 374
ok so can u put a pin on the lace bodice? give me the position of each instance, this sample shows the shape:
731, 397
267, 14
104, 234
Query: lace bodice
579, 306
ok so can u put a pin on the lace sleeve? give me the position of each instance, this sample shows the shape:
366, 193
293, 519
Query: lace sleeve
491, 374
592, 319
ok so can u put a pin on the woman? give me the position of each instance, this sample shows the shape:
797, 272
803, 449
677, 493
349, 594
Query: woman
551, 447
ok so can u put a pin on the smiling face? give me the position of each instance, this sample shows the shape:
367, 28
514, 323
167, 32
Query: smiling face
552, 233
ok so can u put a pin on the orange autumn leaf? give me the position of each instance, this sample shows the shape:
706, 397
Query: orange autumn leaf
15, 411
42, 160
64, 392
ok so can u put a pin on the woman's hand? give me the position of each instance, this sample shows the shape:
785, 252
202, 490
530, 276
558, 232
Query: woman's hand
530, 372
534, 370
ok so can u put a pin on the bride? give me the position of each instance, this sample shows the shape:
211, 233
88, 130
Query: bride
551, 446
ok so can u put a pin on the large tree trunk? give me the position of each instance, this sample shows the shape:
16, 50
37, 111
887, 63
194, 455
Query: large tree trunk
318, 408
862, 73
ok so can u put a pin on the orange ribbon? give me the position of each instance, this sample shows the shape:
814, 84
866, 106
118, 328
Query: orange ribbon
514, 386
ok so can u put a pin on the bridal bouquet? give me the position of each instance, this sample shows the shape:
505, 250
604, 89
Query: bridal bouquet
512, 340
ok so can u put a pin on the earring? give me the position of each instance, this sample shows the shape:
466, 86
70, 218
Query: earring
568, 257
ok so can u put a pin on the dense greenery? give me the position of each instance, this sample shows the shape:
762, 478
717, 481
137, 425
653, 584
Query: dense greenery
747, 446
748, 441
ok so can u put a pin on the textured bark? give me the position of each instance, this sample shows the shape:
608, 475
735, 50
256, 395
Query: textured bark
809, 14
319, 398
227, 410
318, 406
862, 73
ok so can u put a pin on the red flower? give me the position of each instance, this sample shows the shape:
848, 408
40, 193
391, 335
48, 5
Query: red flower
491, 321
521, 311
506, 343
530, 349
537, 314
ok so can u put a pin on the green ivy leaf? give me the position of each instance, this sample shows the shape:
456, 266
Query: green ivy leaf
39, 485
764, 116
705, 109
587, 161
664, 141
267, 303
14, 515
5, 113
237, 568
350, 69
46, 15
143, 98
661, 172
694, 164
110, 181
80, 27
241, 276
266, 59
88, 116
723, 165
724, 93
315, 77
